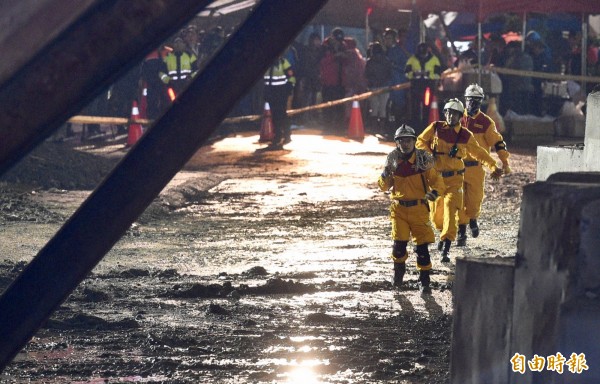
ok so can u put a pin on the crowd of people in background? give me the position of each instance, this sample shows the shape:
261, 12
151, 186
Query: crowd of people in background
335, 68
332, 67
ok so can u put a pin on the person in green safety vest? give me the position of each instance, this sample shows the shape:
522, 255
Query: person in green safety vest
279, 86
181, 67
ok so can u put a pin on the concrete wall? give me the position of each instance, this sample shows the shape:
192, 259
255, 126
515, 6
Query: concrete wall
592, 133
557, 277
482, 317
543, 302
553, 159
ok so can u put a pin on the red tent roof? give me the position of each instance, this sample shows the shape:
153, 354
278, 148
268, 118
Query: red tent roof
483, 8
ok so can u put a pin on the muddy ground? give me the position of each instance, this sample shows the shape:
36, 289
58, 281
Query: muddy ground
250, 267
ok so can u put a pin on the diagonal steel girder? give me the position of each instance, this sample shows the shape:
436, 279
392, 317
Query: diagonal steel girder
140, 176
90, 54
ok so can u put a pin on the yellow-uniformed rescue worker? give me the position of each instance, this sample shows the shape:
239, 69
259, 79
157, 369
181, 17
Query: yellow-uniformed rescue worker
484, 130
449, 143
410, 175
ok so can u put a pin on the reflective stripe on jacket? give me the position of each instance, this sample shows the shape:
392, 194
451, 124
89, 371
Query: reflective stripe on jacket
179, 67
280, 74
430, 69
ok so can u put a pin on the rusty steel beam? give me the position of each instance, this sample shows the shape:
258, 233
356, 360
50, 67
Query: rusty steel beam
26, 26
140, 176
90, 54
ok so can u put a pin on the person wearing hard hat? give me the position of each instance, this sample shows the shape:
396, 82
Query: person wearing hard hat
484, 130
409, 176
449, 143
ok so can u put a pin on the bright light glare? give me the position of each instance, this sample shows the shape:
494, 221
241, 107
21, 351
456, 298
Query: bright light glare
302, 375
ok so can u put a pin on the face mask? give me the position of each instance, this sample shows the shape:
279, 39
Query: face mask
472, 104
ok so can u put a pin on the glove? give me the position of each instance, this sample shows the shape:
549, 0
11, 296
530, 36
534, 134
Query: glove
496, 174
431, 195
506, 168
391, 161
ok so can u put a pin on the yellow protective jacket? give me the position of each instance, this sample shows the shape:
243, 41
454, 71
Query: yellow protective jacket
484, 130
430, 68
438, 138
179, 67
281, 73
406, 182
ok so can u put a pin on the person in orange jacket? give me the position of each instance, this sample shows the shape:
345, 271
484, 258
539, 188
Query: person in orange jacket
449, 143
410, 176
484, 130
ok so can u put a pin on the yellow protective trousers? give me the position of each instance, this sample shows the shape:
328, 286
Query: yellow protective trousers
407, 221
414, 220
445, 210
474, 186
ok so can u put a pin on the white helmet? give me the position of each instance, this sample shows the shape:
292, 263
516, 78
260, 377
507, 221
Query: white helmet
405, 131
474, 90
455, 105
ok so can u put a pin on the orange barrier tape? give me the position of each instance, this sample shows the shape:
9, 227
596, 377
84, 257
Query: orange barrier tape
546, 75
539, 75
328, 104
240, 119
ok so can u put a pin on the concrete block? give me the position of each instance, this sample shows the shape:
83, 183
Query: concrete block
482, 320
553, 159
592, 132
575, 177
557, 279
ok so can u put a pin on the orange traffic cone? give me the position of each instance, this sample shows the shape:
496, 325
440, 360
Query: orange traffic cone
135, 129
267, 132
356, 130
434, 112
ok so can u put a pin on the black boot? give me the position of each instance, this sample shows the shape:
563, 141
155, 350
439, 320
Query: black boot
440, 245
446, 251
399, 270
461, 239
424, 281
474, 228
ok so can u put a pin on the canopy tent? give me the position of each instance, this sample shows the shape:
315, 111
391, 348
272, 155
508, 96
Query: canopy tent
379, 14
484, 8
464, 26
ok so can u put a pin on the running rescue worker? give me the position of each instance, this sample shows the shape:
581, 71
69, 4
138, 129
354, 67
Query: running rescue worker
484, 130
449, 143
410, 176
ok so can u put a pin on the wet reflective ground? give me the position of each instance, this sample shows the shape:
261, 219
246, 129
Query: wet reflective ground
256, 267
